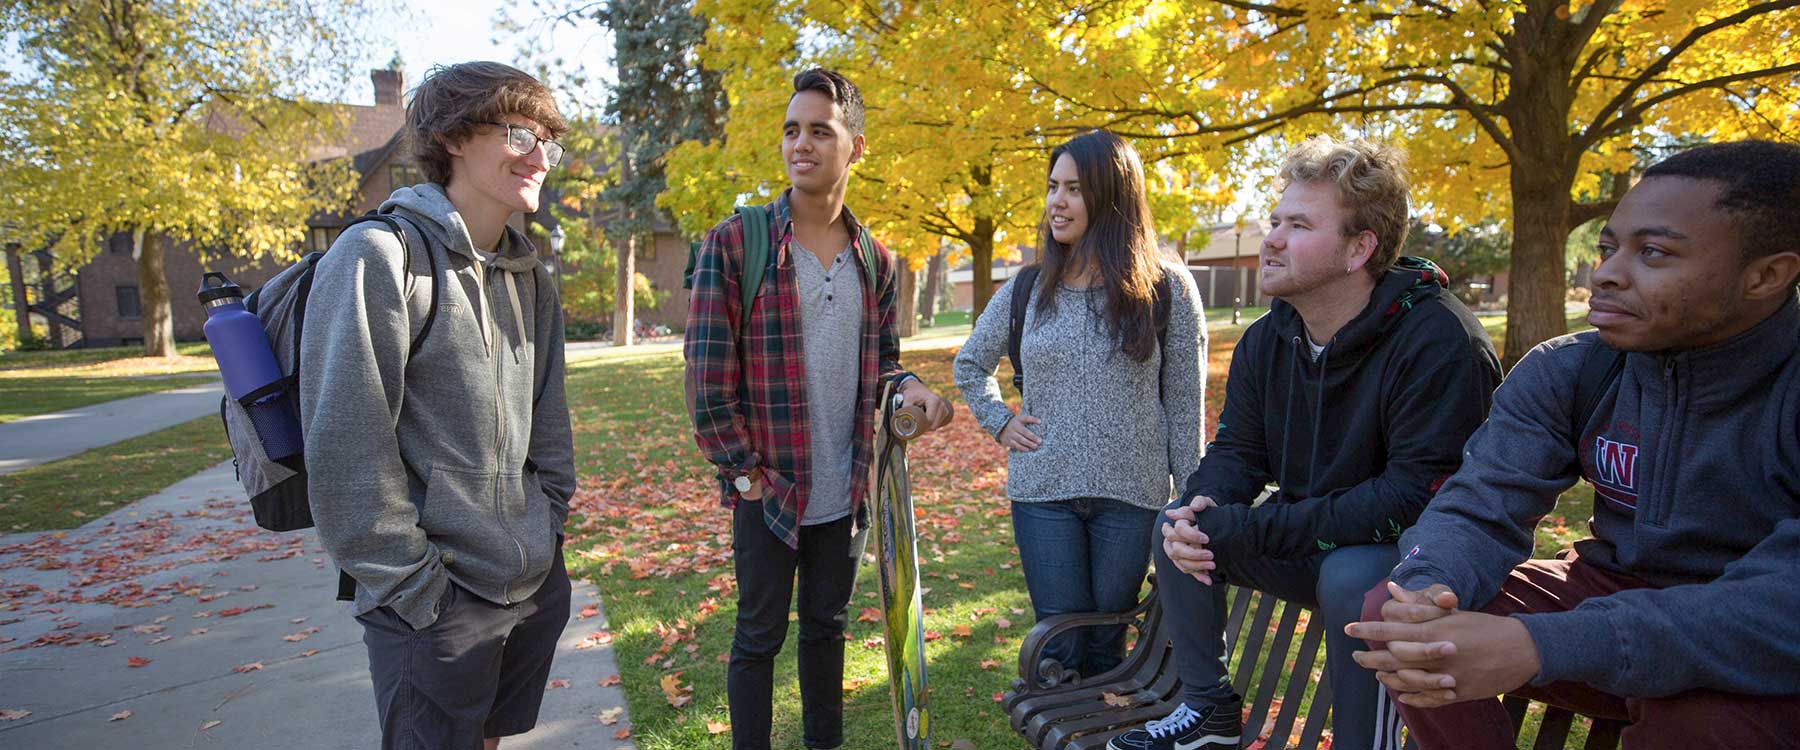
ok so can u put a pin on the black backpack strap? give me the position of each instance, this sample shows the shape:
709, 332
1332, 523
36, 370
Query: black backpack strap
393, 223
1159, 309
1600, 368
1021, 297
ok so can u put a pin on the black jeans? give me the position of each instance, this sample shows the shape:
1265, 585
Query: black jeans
766, 567
1325, 581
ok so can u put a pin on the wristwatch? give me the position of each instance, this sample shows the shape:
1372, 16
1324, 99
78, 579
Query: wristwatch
741, 484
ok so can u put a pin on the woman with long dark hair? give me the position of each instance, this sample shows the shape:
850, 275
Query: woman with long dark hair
1112, 353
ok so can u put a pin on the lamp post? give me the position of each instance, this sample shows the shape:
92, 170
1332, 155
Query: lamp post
1237, 250
556, 245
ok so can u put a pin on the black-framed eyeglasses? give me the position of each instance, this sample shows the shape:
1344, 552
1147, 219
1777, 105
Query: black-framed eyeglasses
522, 141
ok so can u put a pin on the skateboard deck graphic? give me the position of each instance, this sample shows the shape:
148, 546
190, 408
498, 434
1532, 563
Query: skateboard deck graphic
897, 553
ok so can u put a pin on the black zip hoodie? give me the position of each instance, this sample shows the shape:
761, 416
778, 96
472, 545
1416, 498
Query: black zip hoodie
1356, 442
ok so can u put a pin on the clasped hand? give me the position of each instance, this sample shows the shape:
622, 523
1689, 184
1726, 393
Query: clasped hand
1435, 654
1185, 543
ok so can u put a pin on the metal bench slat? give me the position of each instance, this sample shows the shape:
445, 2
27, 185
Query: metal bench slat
1317, 717
1240, 604
1253, 642
1296, 689
1273, 666
1603, 734
1554, 731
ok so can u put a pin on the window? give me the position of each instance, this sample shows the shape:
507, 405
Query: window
646, 249
119, 244
402, 175
127, 297
319, 239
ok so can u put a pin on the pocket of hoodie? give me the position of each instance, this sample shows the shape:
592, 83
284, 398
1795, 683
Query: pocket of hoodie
460, 514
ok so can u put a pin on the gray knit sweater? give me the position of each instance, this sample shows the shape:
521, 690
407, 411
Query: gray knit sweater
1112, 427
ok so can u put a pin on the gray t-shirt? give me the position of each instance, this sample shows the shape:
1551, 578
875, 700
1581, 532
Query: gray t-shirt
831, 313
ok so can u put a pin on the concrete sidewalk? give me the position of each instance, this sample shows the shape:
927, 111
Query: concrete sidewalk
185, 580
44, 438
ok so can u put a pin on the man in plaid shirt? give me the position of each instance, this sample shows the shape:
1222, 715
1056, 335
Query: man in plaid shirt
784, 405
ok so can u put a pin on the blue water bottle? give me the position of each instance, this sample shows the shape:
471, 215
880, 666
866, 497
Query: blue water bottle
249, 366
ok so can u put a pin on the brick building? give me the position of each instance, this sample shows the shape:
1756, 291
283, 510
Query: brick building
110, 310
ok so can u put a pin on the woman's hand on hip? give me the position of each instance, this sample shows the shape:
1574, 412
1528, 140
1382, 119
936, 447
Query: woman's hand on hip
1017, 434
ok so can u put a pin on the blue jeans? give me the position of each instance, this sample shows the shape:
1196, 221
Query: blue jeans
1084, 555
1332, 583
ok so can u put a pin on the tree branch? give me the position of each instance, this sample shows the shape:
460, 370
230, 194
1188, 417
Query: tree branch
1593, 133
1634, 113
1267, 9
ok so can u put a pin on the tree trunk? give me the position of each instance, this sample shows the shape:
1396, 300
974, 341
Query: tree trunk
909, 297
622, 288
153, 296
981, 249
928, 300
1540, 223
15, 270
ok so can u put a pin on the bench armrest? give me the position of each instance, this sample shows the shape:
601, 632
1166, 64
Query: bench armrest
1034, 674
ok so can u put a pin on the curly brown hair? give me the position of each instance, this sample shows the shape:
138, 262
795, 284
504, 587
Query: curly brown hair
455, 99
1371, 181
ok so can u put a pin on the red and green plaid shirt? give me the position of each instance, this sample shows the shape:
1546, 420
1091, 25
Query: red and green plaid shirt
747, 371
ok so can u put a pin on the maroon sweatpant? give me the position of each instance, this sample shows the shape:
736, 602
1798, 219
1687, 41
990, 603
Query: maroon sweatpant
1694, 719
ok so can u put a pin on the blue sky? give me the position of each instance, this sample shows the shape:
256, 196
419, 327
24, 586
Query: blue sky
451, 31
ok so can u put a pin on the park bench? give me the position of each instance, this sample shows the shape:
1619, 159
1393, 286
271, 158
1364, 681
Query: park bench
1273, 671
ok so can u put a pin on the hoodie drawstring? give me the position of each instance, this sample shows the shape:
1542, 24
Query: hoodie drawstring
512, 294
1312, 459
1287, 412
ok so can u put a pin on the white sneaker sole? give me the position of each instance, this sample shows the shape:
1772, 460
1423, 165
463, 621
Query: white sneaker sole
1211, 740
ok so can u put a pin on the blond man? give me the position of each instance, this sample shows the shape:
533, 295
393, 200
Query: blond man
1353, 397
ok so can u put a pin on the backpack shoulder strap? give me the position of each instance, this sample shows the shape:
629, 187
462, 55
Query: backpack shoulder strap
756, 255
1159, 308
869, 259
1015, 330
394, 224
1600, 368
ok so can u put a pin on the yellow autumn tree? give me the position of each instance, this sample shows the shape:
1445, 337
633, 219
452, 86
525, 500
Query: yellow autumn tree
176, 120
1530, 111
953, 153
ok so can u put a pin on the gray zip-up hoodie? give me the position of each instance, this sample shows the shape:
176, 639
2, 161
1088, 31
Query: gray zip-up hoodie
452, 464
1695, 461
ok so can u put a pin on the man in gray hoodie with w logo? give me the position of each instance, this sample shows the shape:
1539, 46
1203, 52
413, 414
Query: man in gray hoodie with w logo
1680, 614
440, 474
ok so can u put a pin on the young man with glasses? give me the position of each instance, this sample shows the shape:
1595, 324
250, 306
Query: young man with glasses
440, 468
784, 407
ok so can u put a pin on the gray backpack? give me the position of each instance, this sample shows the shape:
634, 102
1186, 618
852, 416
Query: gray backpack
277, 488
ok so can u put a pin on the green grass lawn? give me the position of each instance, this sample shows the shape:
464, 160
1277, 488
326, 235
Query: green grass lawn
27, 396
42, 382
68, 493
116, 361
648, 529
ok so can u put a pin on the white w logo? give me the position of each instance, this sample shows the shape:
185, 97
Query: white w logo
1616, 463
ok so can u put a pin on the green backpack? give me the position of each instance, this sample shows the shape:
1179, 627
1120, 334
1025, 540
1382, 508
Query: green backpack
756, 257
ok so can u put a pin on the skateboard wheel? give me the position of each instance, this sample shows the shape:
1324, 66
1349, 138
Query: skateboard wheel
905, 424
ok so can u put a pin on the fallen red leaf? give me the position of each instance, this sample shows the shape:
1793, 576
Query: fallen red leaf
251, 667
136, 661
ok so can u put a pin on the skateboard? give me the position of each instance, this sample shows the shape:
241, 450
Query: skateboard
897, 553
